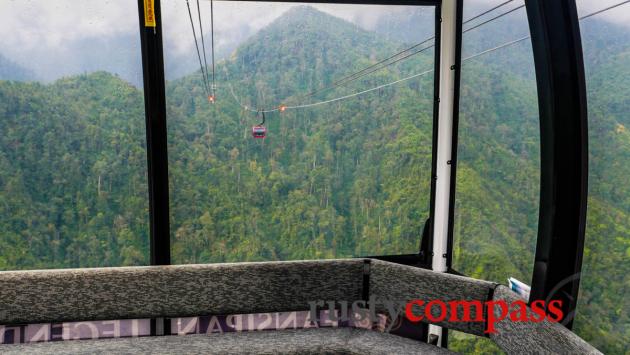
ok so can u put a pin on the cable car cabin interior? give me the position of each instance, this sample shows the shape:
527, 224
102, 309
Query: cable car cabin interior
425, 191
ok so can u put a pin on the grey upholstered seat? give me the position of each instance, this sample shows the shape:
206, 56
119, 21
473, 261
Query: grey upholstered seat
535, 338
195, 290
174, 291
304, 341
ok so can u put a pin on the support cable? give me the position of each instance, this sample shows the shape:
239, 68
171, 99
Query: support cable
476, 55
487, 11
205, 79
203, 44
604, 9
377, 66
212, 45
493, 19
355, 76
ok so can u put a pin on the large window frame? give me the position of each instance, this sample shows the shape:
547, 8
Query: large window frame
157, 152
564, 155
556, 42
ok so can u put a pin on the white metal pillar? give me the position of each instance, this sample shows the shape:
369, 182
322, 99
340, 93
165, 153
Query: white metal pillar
446, 109
445, 134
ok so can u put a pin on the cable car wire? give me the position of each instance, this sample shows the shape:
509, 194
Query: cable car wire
203, 44
488, 11
476, 55
604, 10
212, 44
507, 44
406, 78
504, 45
493, 19
353, 76
375, 67
205, 79
366, 71
360, 93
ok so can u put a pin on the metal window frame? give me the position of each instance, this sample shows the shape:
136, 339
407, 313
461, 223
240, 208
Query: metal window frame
155, 109
561, 88
556, 41
455, 132
446, 138
157, 152
155, 116
157, 141
558, 57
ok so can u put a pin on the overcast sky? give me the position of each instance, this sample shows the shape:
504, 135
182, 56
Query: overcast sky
28, 24
32, 28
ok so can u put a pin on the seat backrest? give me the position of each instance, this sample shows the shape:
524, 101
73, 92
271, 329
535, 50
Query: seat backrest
534, 338
174, 291
402, 284
28, 297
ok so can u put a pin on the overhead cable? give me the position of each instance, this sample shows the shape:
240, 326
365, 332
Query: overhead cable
203, 73
476, 55
378, 65
203, 44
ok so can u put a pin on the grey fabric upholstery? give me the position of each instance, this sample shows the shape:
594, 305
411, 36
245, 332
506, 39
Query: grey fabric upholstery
305, 341
195, 290
405, 283
535, 338
174, 291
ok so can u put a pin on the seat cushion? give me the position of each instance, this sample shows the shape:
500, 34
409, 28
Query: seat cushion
303, 341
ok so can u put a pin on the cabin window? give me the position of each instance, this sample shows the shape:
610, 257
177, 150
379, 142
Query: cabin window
600, 318
337, 174
495, 222
73, 171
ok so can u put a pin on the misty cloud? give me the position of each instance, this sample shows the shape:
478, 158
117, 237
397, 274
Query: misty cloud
64, 37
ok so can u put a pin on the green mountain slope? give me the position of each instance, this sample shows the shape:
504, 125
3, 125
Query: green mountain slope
72, 182
498, 151
323, 184
305, 50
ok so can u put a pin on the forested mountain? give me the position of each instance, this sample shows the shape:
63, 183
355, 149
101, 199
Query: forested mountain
343, 179
323, 184
72, 174
606, 272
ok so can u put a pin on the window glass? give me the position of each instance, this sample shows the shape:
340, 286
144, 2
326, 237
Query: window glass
73, 175
498, 172
498, 167
602, 318
347, 177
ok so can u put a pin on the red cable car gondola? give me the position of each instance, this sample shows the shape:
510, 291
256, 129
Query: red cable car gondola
260, 131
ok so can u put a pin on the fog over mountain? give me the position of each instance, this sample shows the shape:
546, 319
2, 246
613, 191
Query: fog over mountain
61, 38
